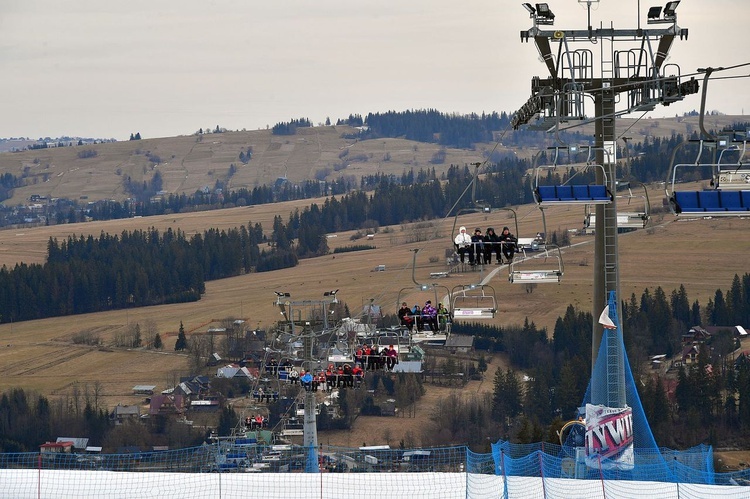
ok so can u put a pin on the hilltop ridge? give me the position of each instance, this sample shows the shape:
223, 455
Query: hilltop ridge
189, 163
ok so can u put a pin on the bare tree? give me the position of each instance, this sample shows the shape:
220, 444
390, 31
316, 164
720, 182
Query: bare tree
200, 348
149, 332
76, 399
98, 393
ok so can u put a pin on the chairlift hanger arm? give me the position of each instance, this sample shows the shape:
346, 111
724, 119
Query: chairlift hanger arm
706, 77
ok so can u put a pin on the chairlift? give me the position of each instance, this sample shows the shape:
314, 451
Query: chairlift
486, 209
729, 197
735, 175
550, 271
476, 207
473, 301
429, 289
569, 193
418, 287
629, 219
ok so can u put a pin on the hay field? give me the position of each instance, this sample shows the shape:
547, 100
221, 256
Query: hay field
701, 254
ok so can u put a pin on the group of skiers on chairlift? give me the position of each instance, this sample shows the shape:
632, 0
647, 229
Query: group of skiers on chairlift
478, 248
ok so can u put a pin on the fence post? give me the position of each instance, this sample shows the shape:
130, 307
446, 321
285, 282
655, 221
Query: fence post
466, 471
218, 465
505, 477
541, 473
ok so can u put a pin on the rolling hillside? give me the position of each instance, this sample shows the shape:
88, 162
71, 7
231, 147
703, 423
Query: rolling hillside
701, 254
190, 163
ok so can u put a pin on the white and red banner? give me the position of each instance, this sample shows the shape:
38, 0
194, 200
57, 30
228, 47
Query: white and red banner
609, 437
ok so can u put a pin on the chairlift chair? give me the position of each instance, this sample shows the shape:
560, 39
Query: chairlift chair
484, 209
729, 197
551, 270
473, 301
637, 219
735, 175
568, 193
728, 201
422, 288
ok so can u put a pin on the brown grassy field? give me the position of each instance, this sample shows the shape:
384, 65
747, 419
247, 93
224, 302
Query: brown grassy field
189, 163
701, 254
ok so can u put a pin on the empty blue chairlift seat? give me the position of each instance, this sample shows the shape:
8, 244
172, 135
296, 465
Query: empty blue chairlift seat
713, 202
735, 200
581, 193
709, 201
546, 193
565, 193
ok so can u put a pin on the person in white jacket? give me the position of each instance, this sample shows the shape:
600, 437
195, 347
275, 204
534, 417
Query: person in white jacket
464, 246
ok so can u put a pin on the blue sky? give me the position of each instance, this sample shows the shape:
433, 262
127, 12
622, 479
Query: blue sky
169, 67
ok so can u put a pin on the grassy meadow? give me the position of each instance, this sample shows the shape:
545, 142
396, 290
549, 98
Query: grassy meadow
701, 254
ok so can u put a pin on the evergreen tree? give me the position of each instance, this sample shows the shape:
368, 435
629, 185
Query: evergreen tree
719, 314
681, 306
227, 421
735, 302
507, 396
695, 314
181, 343
158, 345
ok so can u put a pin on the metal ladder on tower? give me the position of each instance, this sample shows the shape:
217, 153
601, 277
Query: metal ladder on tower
615, 378
616, 392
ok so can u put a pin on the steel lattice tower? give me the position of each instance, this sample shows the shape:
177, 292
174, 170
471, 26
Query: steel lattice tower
631, 75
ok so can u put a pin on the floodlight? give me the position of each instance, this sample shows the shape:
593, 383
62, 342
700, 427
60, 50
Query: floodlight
331, 293
654, 12
542, 10
529, 8
280, 294
670, 8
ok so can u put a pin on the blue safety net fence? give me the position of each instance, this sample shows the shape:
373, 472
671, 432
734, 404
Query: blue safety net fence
650, 463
